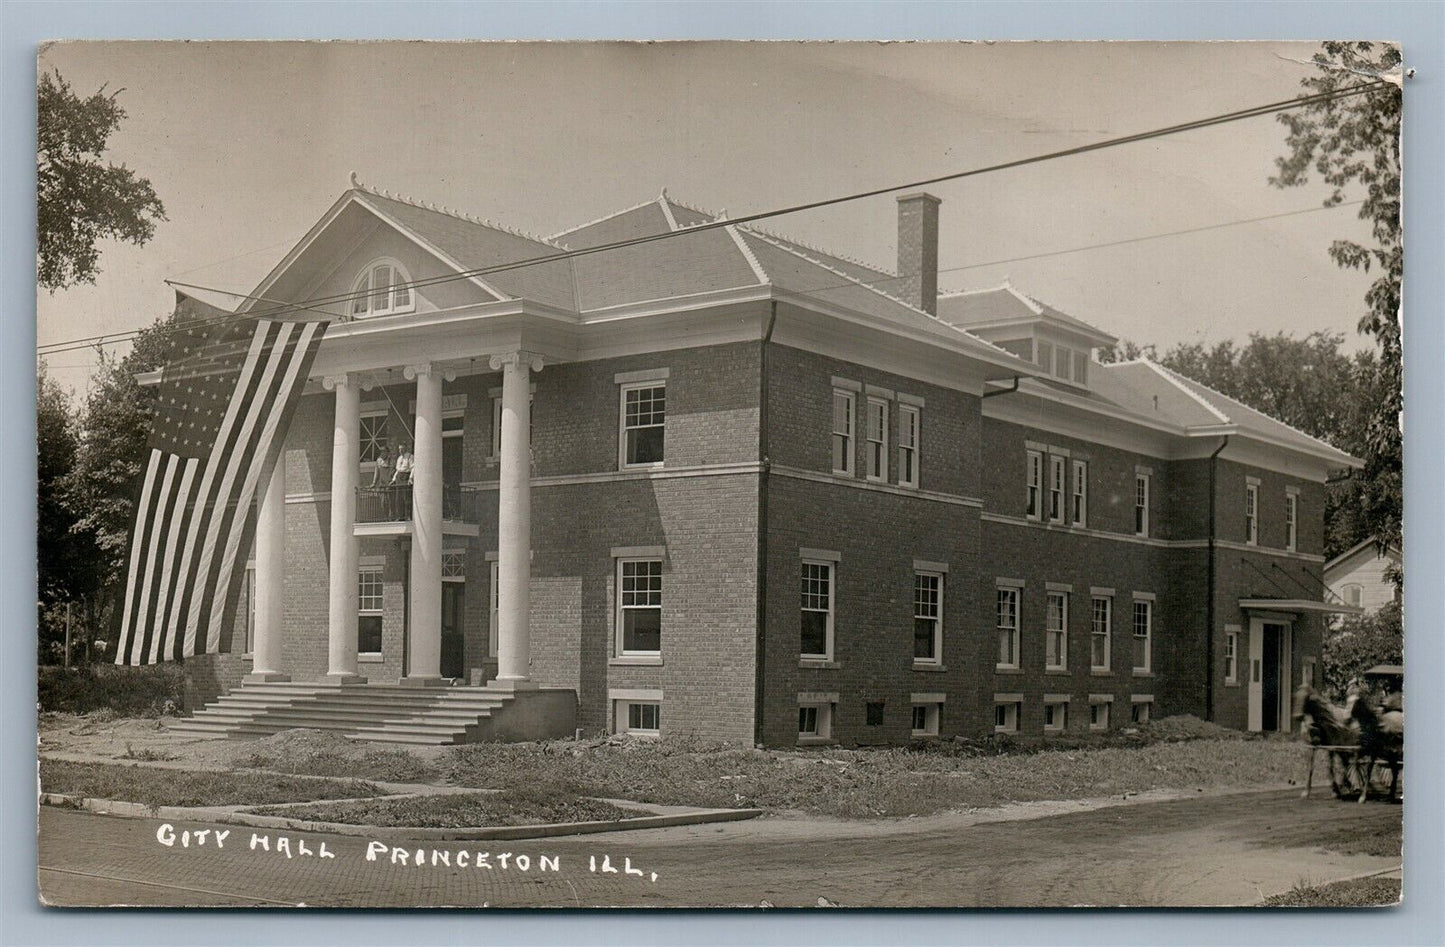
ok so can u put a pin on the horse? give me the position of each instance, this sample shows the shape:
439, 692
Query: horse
1382, 739
1328, 726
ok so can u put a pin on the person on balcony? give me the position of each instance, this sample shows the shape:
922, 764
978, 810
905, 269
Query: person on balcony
400, 493
381, 473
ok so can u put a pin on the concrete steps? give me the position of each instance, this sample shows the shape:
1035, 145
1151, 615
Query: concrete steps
382, 712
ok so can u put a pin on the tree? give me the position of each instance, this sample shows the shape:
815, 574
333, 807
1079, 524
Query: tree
1358, 644
80, 197
1356, 142
57, 446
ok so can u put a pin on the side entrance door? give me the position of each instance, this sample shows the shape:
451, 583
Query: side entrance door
453, 648
1269, 675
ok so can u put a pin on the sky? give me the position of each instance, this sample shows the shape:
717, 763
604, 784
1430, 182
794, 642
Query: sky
249, 143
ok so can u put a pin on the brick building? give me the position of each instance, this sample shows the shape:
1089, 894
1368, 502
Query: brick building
729, 485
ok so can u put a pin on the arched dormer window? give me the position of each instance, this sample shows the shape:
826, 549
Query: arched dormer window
384, 288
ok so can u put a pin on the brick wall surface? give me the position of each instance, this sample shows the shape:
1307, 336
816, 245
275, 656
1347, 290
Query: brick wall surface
709, 527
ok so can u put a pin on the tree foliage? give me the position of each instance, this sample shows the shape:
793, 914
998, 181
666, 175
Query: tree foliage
1358, 644
1354, 143
81, 198
61, 553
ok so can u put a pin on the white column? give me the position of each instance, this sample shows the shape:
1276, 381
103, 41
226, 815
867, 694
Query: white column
425, 652
270, 578
345, 466
514, 521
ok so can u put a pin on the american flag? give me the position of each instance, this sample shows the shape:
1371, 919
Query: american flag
225, 401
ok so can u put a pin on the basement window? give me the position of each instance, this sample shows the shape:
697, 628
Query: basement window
638, 717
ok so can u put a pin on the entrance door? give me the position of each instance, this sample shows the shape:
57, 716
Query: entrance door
453, 647
1269, 674
1270, 683
451, 477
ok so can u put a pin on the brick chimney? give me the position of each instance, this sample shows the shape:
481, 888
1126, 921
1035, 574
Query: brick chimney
918, 250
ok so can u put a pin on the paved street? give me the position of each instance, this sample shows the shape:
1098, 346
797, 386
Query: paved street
1211, 850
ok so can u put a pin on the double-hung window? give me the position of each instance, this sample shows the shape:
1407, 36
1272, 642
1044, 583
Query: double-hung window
1141, 504
877, 439
644, 412
1251, 514
844, 403
1056, 488
1231, 657
1008, 628
1101, 627
817, 611
908, 433
927, 618
1291, 521
639, 606
1143, 633
368, 610
1079, 499
1056, 632
1034, 509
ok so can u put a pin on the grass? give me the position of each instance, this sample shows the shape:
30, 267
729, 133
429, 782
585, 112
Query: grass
517, 807
1174, 753
357, 760
112, 690
170, 787
869, 783
1362, 892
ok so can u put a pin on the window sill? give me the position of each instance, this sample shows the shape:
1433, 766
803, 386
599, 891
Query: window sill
1231, 683
369, 657
920, 735
635, 660
1141, 673
999, 669
845, 473
656, 466
819, 663
1004, 730
930, 667
816, 741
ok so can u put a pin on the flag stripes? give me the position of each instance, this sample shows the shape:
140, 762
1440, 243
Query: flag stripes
202, 474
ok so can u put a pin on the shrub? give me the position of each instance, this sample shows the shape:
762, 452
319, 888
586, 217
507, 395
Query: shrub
122, 691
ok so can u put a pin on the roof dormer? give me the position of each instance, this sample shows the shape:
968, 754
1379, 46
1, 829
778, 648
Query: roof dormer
1057, 342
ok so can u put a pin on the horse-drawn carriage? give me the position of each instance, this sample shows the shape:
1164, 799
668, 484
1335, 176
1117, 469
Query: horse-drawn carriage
1362, 739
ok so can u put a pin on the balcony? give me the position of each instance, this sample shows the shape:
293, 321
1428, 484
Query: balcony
392, 504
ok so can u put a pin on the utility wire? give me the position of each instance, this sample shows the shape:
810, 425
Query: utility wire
311, 304
885, 278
